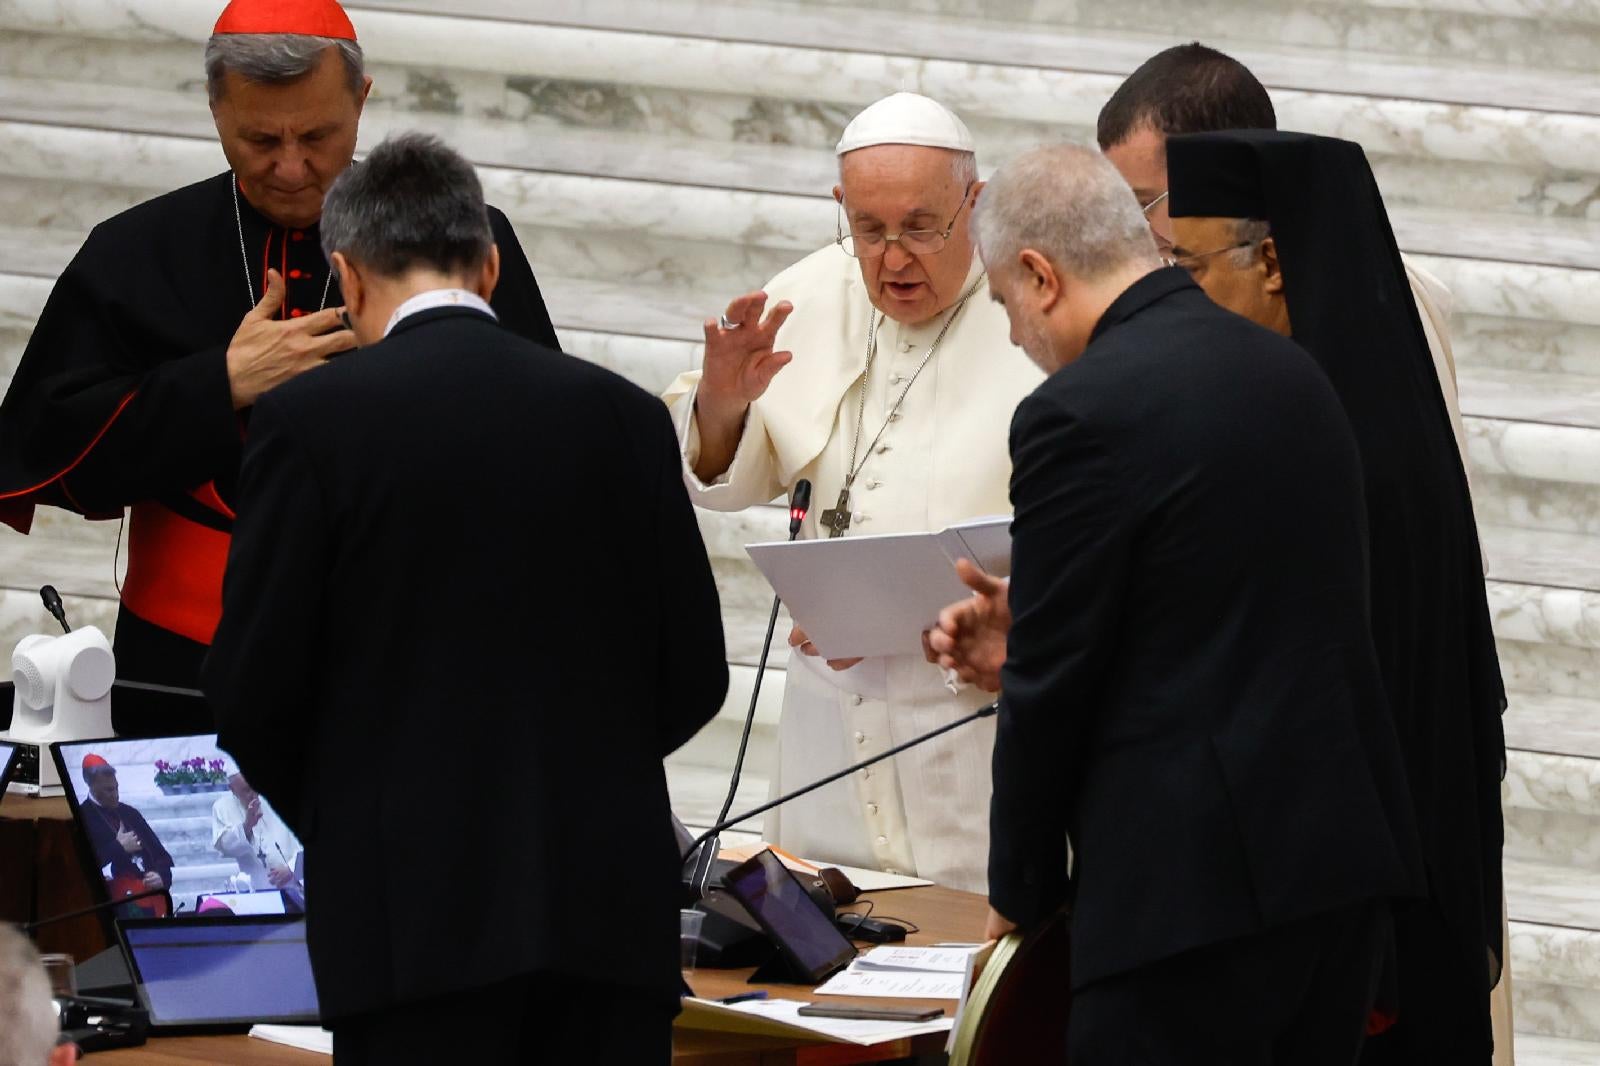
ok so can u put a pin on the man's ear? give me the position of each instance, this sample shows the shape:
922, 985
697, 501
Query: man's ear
366, 89
489, 274
977, 187
838, 194
351, 285
1040, 279
1271, 269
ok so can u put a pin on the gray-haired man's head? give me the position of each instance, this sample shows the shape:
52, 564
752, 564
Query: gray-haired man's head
407, 218
287, 108
1061, 236
28, 1025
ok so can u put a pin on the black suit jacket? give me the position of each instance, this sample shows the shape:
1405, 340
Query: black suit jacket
1191, 692
467, 612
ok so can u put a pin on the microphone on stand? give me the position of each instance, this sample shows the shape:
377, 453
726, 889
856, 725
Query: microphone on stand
986, 711
700, 876
96, 908
52, 603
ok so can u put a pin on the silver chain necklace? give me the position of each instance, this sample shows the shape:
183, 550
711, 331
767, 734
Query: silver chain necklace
244, 256
837, 519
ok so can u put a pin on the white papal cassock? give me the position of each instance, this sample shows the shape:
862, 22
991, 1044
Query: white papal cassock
943, 458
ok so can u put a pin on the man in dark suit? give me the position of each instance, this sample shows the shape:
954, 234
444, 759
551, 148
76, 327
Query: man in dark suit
464, 720
1190, 693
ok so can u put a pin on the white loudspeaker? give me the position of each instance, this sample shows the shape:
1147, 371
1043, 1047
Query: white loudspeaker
63, 693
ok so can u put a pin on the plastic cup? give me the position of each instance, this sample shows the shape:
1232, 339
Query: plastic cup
689, 922
62, 973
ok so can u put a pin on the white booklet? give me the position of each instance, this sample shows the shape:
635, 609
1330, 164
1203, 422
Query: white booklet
782, 1018
305, 1037
869, 596
939, 972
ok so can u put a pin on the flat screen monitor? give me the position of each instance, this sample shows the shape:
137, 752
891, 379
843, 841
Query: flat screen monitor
8, 762
198, 974
174, 813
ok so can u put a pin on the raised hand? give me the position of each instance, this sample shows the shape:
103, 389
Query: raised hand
252, 815
265, 352
739, 365
971, 635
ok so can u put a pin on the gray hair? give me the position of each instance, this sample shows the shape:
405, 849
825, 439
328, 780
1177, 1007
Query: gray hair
275, 58
1069, 204
412, 202
30, 1026
963, 166
1253, 230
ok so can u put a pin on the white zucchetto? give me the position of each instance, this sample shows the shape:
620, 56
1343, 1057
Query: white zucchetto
906, 118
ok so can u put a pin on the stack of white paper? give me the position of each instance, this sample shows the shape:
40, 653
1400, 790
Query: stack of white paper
905, 973
782, 1017
305, 1037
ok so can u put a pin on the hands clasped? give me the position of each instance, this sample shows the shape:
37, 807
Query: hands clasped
266, 351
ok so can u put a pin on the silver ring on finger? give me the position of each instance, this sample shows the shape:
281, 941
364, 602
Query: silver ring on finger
728, 324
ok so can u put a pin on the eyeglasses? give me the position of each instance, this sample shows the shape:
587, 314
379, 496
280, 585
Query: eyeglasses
1147, 208
870, 245
1195, 263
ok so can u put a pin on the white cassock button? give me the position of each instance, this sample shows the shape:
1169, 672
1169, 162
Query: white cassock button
895, 417
855, 701
874, 483
883, 841
861, 738
872, 808
857, 516
866, 775
891, 870
905, 346
882, 448
895, 379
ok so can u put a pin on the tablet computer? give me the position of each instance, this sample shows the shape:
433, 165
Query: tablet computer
169, 809
8, 763
201, 975
775, 898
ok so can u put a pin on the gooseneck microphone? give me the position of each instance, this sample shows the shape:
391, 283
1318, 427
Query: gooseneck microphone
96, 908
52, 603
699, 885
799, 504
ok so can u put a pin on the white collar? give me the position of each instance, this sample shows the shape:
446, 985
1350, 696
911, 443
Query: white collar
427, 301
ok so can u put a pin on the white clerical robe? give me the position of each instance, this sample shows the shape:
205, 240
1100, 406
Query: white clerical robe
269, 837
942, 458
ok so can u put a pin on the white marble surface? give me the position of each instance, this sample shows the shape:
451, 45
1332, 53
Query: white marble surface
1557, 1010
1541, 557
1535, 1049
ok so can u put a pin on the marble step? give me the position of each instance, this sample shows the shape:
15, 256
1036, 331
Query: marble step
1398, 36
1535, 1050
682, 84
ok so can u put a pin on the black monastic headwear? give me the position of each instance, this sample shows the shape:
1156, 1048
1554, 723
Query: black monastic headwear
1350, 305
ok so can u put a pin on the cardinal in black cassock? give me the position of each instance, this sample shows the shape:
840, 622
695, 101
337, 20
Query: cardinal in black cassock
1349, 305
123, 399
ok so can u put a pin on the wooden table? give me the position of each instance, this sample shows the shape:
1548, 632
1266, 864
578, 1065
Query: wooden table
942, 914
41, 874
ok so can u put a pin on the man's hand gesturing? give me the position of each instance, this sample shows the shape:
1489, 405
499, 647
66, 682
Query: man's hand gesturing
739, 365
265, 351
971, 635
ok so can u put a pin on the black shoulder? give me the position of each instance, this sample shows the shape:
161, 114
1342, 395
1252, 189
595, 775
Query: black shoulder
171, 212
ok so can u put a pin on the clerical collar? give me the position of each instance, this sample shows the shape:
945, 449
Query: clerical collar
427, 301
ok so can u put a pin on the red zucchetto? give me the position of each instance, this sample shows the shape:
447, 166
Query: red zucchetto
314, 18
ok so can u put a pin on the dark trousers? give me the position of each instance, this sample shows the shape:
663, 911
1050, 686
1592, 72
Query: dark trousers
1294, 996
146, 652
530, 1020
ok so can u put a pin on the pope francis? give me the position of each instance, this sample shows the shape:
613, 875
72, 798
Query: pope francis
884, 374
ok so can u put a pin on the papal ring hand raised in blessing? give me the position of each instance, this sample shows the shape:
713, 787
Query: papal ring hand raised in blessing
726, 323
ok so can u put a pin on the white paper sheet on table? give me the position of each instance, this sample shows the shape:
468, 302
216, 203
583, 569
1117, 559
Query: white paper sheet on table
781, 1017
305, 1037
905, 973
877, 880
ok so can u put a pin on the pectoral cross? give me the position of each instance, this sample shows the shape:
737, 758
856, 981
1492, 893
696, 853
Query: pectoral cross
837, 518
